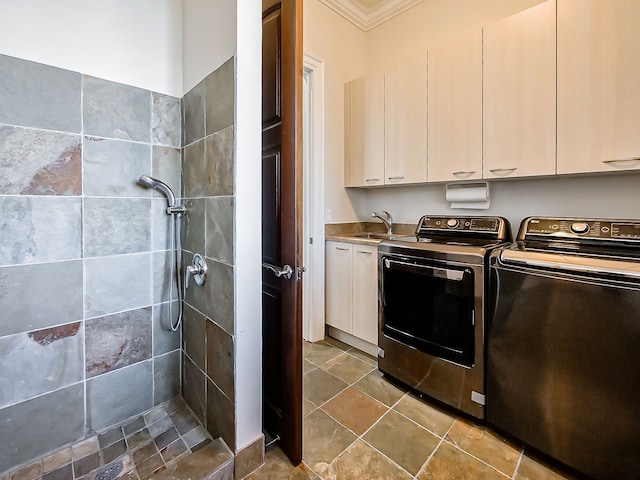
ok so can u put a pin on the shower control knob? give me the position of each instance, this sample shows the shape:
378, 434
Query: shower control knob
198, 269
452, 223
580, 227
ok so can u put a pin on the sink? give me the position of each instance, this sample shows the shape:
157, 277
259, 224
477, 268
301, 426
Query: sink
378, 236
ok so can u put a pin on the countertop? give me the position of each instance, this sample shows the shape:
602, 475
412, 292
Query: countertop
353, 232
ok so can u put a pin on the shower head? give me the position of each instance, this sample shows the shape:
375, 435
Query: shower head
150, 182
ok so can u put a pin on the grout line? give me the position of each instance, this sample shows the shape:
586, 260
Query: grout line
435, 449
391, 460
454, 445
515, 471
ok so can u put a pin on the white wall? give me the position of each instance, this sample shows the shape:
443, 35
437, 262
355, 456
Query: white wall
341, 45
209, 38
613, 196
137, 43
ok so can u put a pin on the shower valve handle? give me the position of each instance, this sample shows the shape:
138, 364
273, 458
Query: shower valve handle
198, 269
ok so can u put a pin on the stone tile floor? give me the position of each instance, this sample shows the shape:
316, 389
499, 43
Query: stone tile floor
358, 425
146, 445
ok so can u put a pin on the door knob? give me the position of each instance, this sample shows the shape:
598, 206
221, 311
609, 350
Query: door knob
286, 271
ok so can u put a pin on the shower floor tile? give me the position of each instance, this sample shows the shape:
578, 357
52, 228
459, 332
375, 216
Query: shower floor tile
144, 444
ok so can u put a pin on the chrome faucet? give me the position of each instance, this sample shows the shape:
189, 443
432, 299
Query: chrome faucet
388, 221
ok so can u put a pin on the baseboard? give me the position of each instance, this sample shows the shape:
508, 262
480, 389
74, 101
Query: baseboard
349, 339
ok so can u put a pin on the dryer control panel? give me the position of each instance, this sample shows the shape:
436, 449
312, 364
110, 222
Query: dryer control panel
496, 227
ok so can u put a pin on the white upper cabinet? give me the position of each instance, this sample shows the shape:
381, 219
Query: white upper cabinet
455, 109
519, 94
365, 164
405, 130
598, 85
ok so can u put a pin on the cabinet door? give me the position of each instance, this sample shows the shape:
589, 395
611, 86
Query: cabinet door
338, 301
365, 293
367, 130
405, 127
519, 94
598, 85
455, 109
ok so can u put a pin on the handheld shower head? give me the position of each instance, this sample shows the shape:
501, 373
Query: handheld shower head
150, 182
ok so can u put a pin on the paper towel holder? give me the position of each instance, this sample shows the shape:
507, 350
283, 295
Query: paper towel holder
468, 195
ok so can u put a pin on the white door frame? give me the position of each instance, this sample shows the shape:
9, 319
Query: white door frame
313, 203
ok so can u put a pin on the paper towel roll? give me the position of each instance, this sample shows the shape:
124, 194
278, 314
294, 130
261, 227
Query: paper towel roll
468, 195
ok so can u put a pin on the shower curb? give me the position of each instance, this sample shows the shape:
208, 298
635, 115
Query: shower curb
212, 462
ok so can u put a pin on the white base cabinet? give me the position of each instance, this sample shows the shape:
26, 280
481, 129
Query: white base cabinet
352, 289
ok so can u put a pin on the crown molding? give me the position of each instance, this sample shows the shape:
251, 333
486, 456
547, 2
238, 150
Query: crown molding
366, 19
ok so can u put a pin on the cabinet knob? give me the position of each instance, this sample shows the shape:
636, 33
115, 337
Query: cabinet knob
371, 180
395, 178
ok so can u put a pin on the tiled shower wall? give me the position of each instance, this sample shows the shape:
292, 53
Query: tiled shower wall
85, 295
208, 183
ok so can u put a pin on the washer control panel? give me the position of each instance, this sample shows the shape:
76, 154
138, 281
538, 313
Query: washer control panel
627, 230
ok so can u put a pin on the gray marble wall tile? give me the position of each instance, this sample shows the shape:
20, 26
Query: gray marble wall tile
166, 120
33, 297
220, 163
112, 167
118, 395
115, 110
39, 229
39, 96
116, 225
220, 415
194, 388
194, 180
215, 298
41, 425
193, 336
220, 97
167, 166
193, 115
165, 340
193, 226
39, 162
219, 227
166, 377
114, 284
162, 234
115, 341
220, 358
40, 361
164, 278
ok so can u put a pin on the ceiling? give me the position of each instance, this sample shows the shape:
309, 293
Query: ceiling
367, 14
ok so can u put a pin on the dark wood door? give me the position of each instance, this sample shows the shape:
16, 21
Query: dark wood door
281, 222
